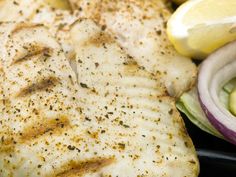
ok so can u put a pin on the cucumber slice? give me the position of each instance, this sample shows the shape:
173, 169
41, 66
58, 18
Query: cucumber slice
190, 106
224, 98
230, 85
232, 101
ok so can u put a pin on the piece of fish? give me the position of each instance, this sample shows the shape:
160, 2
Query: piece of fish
42, 12
140, 28
127, 110
116, 121
137, 25
37, 98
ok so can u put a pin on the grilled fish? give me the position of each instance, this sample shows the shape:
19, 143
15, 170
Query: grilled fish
137, 25
140, 28
115, 120
38, 95
127, 110
57, 20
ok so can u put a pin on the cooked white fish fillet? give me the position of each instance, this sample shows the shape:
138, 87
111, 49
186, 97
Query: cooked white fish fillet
38, 95
58, 22
127, 111
140, 28
19, 10
40, 11
115, 122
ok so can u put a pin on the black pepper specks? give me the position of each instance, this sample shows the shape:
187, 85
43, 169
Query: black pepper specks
83, 85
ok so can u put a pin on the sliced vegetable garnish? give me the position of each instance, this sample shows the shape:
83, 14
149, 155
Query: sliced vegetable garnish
215, 72
224, 98
190, 106
232, 101
230, 85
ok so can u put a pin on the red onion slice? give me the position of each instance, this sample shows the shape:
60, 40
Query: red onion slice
218, 81
214, 72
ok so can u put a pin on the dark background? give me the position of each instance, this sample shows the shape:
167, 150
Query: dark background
212, 167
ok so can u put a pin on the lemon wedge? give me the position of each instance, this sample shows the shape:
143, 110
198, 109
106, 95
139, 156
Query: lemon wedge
198, 27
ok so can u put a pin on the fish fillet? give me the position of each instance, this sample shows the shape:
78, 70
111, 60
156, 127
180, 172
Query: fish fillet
129, 104
140, 28
114, 121
137, 25
39, 11
38, 95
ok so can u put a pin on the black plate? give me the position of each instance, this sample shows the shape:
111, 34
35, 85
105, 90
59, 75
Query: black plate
217, 157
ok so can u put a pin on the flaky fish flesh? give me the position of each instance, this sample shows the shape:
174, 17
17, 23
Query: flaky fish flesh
130, 105
140, 28
39, 11
38, 98
113, 120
